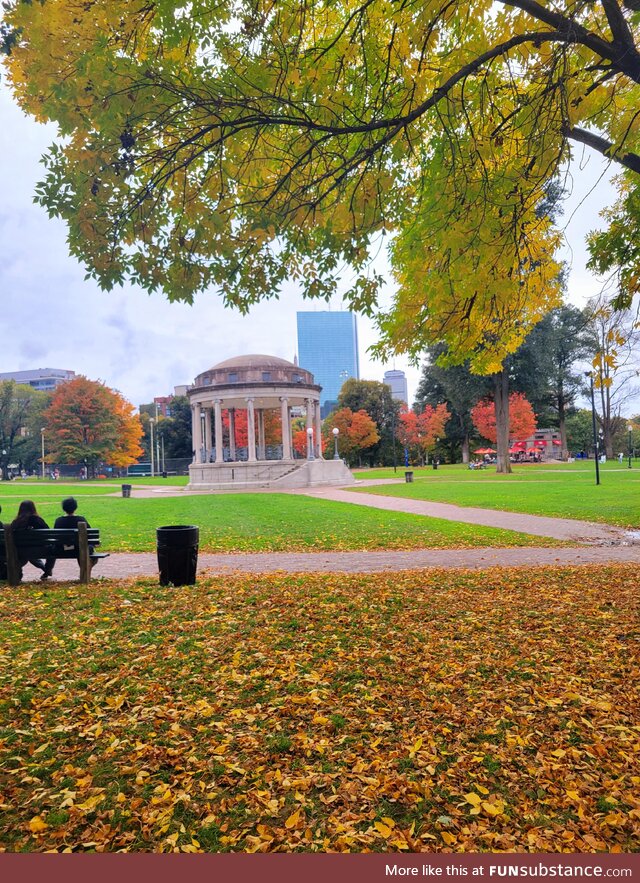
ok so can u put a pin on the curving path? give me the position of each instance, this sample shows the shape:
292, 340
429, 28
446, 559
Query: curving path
538, 525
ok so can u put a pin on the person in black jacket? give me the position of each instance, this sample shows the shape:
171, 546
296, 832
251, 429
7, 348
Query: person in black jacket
28, 519
68, 520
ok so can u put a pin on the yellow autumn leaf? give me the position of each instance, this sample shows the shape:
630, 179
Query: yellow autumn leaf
472, 798
448, 838
494, 809
293, 819
383, 829
37, 824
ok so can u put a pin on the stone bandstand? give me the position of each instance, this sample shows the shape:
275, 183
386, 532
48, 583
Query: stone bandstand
232, 415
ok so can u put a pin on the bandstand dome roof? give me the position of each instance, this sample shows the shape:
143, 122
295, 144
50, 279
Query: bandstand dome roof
253, 361
256, 371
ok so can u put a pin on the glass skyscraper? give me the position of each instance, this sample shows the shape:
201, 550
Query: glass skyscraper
328, 347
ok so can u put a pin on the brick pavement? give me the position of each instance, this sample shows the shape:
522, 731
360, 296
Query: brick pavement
144, 564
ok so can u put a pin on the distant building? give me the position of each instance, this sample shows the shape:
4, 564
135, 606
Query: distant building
180, 390
44, 379
328, 348
163, 405
397, 380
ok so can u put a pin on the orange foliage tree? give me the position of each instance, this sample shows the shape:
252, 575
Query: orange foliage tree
88, 422
522, 419
418, 432
357, 431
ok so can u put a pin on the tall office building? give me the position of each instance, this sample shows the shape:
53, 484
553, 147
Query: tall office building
397, 380
41, 378
328, 347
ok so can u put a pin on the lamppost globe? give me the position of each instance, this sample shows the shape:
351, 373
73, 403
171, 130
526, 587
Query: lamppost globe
336, 433
310, 454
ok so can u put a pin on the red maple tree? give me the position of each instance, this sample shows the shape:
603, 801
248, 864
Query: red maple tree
522, 419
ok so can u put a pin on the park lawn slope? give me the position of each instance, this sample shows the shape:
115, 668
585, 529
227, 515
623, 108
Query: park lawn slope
458, 711
274, 522
560, 491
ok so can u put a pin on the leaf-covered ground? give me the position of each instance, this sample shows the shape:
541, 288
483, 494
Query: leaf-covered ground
458, 711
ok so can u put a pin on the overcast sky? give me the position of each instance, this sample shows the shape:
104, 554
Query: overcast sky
140, 344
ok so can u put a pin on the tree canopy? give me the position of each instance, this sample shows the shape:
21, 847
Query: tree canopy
88, 422
241, 144
21, 409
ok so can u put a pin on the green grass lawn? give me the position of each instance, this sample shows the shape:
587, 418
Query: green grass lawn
459, 711
564, 490
254, 522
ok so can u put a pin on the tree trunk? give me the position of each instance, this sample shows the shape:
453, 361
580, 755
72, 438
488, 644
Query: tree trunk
562, 425
501, 393
465, 448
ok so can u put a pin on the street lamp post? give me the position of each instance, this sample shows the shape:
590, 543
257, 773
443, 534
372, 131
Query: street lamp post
151, 425
336, 433
393, 434
589, 374
630, 430
42, 440
310, 454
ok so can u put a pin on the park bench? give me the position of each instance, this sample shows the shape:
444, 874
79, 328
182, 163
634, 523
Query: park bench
48, 543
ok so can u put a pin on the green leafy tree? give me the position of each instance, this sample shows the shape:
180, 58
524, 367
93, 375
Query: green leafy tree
579, 426
375, 398
176, 429
21, 407
548, 367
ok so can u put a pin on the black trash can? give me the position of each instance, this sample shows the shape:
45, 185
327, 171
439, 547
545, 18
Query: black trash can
435, 464
126, 490
408, 477
178, 554
164, 474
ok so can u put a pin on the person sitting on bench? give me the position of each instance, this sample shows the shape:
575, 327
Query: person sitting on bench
28, 519
68, 520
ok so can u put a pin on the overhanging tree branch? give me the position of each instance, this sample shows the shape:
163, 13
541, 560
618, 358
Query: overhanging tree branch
606, 148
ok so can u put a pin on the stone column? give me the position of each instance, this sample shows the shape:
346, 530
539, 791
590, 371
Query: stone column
232, 433
308, 426
251, 431
196, 430
207, 434
318, 429
217, 403
262, 450
286, 428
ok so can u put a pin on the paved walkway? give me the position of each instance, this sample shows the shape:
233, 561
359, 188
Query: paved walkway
124, 565
537, 525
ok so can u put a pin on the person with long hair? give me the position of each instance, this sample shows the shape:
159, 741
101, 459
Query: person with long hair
28, 519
